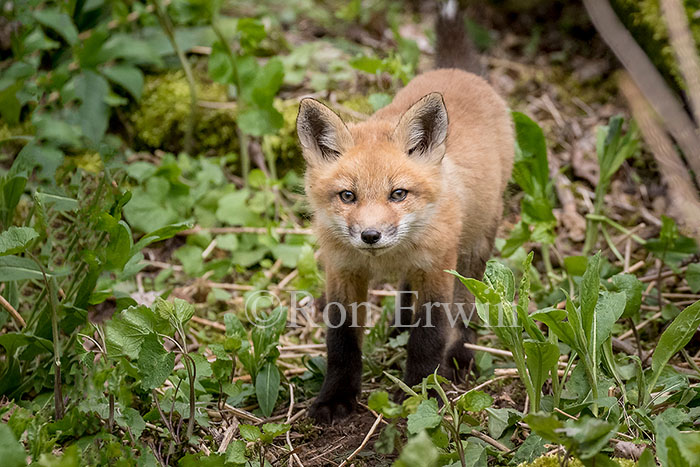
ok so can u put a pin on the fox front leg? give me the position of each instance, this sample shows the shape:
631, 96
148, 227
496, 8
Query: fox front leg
426, 344
346, 295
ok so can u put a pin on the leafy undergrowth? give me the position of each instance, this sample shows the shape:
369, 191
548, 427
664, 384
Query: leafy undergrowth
158, 308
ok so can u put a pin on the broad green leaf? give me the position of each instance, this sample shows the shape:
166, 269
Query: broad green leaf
675, 337
693, 277
250, 432
426, 417
126, 331
674, 458
542, 358
60, 22
689, 446
17, 268
378, 100
524, 302
590, 434
12, 341
367, 64
273, 430
235, 453
267, 387
119, 246
155, 363
38, 155
633, 288
233, 209
531, 155
127, 76
474, 401
131, 418
380, 403
220, 65
93, 113
555, 320
418, 452
256, 121
500, 419
16, 239
531, 449
608, 309
546, 426
647, 459
11, 451
183, 310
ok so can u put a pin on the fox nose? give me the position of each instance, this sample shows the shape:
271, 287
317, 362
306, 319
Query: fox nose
370, 236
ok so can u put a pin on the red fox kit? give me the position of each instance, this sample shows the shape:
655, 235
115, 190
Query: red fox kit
414, 190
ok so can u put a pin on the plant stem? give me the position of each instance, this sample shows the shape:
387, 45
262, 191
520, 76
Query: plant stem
169, 30
592, 224
547, 263
242, 137
519, 359
191, 374
53, 305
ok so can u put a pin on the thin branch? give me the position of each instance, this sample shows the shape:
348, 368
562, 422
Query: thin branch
648, 78
10, 309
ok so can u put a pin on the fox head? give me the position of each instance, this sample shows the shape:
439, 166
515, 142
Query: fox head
374, 185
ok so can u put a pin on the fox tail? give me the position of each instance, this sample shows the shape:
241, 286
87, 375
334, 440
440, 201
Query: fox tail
453, 47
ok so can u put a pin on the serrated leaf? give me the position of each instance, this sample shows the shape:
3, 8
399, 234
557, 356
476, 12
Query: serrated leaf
126, 331
155, 363
16, 239
250, 432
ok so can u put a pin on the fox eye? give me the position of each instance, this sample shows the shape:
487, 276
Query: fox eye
347, 196
398, 195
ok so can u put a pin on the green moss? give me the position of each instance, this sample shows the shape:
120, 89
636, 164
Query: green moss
644, 20
162, 116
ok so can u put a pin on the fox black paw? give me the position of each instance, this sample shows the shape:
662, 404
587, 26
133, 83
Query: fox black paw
327, 411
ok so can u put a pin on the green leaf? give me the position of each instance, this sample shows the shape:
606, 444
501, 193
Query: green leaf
693, 277
127, 76
155, 363
220, 65
11, 451
267, 387
183, 310
159, 235
131, 418
590, 434
273, 430
119, 246
531, 449
256, 121
16, 239
235, 453
675, 337
589, 294
93, 113
546, 426
542, 358
250, 432
633, 288
647, 459
474, 401
500, 419
689, 446
126, 331
556, 321
233, 209
17, 268
418, 452
38, 155
57, 202
608, 309
60, 22
380, 403
426, 417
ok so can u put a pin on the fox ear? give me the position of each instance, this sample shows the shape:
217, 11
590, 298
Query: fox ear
322, 134
423, 128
